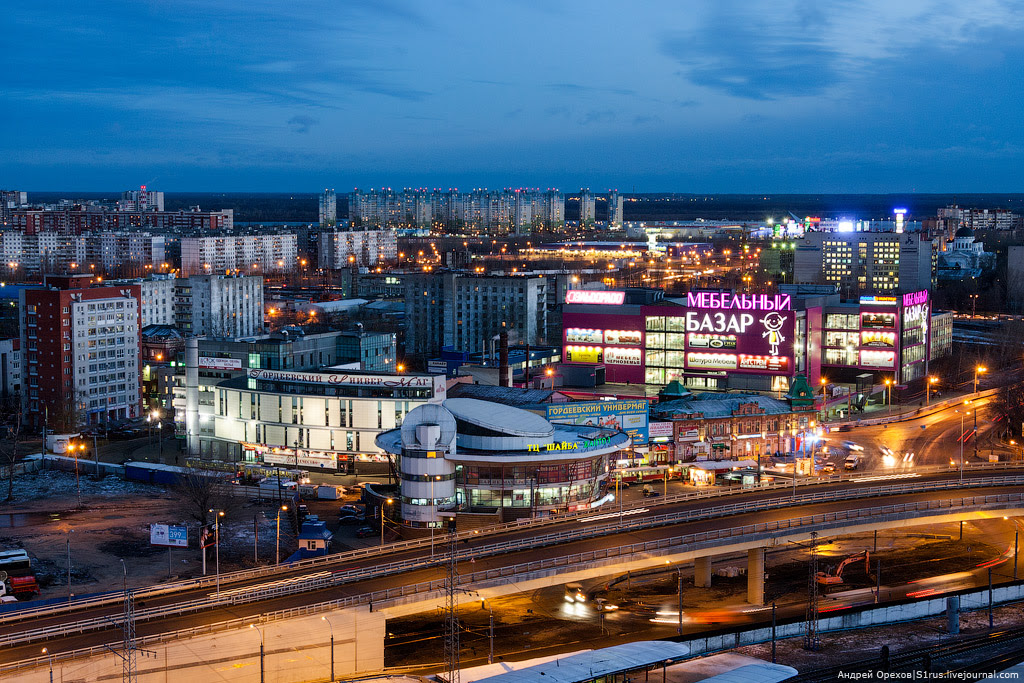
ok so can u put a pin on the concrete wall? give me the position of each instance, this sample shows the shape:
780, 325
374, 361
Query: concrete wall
295, 650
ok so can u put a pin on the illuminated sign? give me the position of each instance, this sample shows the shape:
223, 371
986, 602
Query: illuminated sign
625, 337
915, 298
717, 361
660, 429
912, 314
624, 416
718, 322
873, 338
583, 354
341, 378
614, 356
767, 363
879, 300
585, 336
311, 459
871, 320
744, 302
877, 359
210, 363
711, 341
594, 296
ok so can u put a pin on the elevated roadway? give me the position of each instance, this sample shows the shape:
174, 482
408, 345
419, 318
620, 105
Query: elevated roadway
598, 545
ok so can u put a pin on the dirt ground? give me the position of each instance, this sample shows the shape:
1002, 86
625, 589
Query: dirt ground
112, 524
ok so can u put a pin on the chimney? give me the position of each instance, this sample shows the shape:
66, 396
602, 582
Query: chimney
504, 371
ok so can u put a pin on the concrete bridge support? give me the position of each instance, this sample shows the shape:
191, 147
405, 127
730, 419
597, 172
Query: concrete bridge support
702, 572
755, 576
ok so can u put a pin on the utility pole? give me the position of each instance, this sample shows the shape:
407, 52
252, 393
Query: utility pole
129, 672
490, 631
811, 639
451, 637
679, 592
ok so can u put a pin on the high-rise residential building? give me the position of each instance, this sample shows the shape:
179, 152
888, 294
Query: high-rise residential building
866, 262
219, 306
267, 253
614, 209
80, 351
587, 204
468, 311
156, 304
75, 219
340, 249
141, 200
10, 200
512, 210
10, 368
328, 209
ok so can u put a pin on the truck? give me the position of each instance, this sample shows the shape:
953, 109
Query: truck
852, 462
17, 587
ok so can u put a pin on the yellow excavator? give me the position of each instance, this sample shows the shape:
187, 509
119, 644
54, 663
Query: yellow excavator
826, 578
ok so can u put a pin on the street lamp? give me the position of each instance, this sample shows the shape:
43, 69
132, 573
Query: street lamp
963, 414
284, 508
978, 370
382, 517
888, 389
216, 544
159, 431
330, 626
50, 657
824, 399
433, 506
260, 631
928, 389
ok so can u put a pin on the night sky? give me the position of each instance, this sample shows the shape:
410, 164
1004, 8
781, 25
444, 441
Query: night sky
716, 96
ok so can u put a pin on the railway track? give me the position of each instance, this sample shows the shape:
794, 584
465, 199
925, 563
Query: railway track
989, 652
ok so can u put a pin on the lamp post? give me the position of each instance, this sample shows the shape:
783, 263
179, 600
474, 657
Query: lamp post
382, 517
50, 657
824, 399
216, 544
888, 391
928, 390
260, 631
278, 556
69, 564
433, 505
159, 432
74, 448
330, 626
963, 414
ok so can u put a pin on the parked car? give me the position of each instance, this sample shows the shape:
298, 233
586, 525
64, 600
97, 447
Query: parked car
365, 531
650, 492
351, 519
350, 509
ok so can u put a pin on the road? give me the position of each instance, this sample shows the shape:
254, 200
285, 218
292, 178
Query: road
932, 439
628, 535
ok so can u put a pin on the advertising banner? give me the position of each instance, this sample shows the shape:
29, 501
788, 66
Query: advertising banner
210, 363
207, 536
659, 430
167, 535
624, 416
308, 459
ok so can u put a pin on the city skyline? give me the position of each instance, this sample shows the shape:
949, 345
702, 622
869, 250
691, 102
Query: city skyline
799, 97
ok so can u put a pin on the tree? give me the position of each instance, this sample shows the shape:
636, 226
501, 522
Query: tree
11, 419
64, 415
1010, 405
201, 491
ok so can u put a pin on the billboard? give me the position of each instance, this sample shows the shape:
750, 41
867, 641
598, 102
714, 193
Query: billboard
168, 535
624, 416
594, 296
737, 338
211, 363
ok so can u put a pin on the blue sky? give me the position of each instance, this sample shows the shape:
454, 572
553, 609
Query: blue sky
688, 96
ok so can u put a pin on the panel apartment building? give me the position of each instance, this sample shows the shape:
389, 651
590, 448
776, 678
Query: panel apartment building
80, 347
269, 253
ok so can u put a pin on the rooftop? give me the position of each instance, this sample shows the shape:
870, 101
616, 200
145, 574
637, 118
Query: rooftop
510, 396
711, 405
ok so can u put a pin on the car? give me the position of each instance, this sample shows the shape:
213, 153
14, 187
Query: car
828, 468
351, 519
602, 605
886, 451
849, 445
365, 532
845, 428
350, 510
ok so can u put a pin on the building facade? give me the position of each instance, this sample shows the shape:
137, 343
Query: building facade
10, 368
343, 249
81, 350
508, 210
328, 209
266, 253
866, 262
219, 305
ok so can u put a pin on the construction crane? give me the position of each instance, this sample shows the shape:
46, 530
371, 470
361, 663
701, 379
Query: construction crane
827, 579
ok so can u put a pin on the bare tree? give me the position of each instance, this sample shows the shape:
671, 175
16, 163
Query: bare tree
11, 419
203, 491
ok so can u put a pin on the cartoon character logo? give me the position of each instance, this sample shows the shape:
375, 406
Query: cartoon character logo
773, 323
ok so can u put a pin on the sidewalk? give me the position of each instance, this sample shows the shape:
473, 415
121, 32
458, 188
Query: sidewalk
882, 414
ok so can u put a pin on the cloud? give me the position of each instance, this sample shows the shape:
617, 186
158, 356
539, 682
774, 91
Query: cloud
301, 124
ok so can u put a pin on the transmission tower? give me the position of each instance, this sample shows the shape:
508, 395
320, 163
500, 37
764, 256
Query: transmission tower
451, 607
811, 640
129, 672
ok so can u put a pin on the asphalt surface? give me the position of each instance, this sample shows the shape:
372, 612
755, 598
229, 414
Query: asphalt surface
626, 536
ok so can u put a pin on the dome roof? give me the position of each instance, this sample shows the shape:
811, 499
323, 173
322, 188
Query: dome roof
499, 418
964, 232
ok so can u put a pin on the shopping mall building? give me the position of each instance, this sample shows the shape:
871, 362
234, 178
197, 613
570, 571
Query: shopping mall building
719, 340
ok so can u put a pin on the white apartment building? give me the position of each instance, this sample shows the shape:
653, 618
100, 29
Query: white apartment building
157, 302
514, 210
614, 209
328, 209
269, 253
141, 200
219, 305
10, 367
587, 204
365, 247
